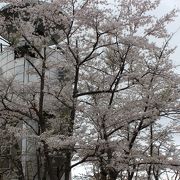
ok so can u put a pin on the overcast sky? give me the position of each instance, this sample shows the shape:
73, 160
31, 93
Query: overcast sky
165, 6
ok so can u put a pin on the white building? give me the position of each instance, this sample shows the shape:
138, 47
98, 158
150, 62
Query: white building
19, 69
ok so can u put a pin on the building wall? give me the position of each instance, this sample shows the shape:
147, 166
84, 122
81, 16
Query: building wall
21, 71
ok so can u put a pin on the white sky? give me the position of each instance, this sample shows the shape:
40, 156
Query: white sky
165, 6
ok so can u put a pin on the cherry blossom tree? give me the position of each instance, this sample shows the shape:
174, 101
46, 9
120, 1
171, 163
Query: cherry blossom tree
99, 101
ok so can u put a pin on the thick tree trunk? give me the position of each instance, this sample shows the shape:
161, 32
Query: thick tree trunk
48, 164
39, 163
103, 175
113, 175
67, 172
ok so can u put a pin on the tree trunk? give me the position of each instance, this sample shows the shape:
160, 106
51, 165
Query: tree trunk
49, 164
67, 172
113, 175
130, 175
149, 173
103, 175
